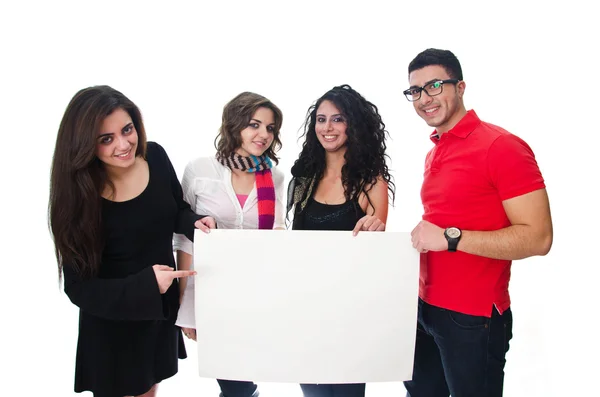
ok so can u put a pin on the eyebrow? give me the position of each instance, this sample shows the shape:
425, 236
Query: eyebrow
112, 133
260, 122
333, 115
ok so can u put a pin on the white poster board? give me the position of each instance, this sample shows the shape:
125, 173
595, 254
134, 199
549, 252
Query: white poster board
305, 306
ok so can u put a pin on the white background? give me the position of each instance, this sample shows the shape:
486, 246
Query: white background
530, 67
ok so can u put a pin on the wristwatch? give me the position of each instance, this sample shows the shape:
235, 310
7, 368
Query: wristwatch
453, 235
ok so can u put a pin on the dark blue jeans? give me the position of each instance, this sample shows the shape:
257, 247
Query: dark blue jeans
458, 354
236, 388
334, 390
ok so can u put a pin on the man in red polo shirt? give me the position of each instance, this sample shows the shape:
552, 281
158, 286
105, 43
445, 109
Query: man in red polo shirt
485, 205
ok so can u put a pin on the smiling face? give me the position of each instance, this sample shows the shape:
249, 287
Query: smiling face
330, 127
117, 140
258, 136
441, 111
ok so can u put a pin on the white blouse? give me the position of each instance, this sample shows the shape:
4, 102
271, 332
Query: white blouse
208, 189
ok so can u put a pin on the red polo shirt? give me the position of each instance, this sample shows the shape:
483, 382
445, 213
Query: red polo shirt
469, 172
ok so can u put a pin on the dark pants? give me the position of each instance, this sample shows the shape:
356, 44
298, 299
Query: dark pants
458, 354
334, 390
236, 388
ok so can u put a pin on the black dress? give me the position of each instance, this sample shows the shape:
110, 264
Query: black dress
128, 340
319, 216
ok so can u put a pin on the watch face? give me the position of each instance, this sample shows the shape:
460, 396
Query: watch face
453, 232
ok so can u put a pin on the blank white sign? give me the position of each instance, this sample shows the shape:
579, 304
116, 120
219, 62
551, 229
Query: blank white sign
305, 306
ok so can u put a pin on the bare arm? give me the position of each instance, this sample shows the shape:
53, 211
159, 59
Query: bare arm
376, 210
529, 234
378, 207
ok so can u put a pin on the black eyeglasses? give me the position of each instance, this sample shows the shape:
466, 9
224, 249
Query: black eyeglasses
432, 88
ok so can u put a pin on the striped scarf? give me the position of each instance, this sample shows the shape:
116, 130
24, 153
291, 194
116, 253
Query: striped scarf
265, 189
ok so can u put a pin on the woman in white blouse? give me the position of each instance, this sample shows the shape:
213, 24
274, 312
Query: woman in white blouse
239, 188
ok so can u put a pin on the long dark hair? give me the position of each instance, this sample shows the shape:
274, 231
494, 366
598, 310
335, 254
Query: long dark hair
78, 177
365, 157
237, 114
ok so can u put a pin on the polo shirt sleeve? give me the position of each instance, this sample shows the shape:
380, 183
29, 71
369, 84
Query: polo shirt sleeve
512, 167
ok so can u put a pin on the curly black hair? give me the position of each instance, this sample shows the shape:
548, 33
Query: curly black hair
365, 147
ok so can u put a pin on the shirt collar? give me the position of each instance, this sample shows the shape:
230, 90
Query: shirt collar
463, 128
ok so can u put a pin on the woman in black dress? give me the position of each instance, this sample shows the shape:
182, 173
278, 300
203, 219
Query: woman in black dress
341, 180
115, 202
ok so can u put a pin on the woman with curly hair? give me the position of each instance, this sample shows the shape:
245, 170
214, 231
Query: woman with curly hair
341, 180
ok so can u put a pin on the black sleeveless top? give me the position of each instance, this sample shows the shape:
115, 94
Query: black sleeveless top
319, 216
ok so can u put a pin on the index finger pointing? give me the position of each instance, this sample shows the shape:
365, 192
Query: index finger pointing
183, 273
